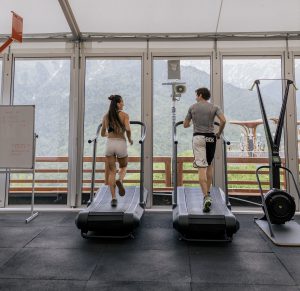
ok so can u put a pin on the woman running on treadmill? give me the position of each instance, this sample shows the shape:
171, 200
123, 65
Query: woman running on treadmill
203, 114
114, 125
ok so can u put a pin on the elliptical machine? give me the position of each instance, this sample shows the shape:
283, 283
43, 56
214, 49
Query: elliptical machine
278, 205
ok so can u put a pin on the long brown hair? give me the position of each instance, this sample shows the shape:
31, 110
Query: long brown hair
114, 121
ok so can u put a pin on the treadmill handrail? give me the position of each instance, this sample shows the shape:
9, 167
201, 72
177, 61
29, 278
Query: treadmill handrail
94, 141
141, 142
144, 129
174, 162
97, 134
175, 135
225, 142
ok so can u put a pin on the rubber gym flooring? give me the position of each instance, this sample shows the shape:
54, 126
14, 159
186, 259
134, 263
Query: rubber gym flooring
49, 254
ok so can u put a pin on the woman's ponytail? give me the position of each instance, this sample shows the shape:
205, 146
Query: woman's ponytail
114, 121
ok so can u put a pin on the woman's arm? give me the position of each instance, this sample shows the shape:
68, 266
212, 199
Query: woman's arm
103, 128
127, 128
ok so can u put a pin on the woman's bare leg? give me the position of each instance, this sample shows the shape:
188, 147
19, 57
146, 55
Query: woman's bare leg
122, 173
123, 168
112, 175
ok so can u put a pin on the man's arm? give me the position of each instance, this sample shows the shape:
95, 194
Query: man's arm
188, 119
222, 119
187, 123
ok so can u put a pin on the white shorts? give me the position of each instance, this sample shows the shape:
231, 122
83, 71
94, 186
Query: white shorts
116, 147
204, 150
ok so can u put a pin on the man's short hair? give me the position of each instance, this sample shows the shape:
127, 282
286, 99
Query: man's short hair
204, 92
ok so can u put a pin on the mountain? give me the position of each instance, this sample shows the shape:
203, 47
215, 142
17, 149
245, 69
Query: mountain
47, 85
252, 69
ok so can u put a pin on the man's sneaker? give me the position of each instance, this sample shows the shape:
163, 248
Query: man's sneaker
114, 202
207, 203
120, 187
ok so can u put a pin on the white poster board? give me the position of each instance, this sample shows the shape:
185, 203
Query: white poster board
17, 136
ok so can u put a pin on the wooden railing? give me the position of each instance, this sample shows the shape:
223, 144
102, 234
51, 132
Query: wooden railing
54, 179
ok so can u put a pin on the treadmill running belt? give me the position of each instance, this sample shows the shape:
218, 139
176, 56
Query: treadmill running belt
101, 202
194, 202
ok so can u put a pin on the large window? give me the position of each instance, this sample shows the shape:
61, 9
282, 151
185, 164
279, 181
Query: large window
297, 80
1, 68
244, 128
103, 78
195, 72
46, 84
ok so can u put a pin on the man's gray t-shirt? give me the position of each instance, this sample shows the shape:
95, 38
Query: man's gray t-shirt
203, 115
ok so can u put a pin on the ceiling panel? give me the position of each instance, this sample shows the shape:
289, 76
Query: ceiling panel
39, 16
146, 16
259, 16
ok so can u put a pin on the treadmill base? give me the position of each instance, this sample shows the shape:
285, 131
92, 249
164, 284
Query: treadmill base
101, 220
195, 225
225, 239
86, 235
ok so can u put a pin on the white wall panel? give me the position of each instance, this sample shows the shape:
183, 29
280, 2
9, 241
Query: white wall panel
259, 15
39, 16
146, 16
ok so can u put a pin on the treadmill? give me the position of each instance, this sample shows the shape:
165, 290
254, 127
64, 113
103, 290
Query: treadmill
188, 218
102, 220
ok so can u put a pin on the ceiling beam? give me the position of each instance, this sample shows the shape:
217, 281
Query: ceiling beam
230, 36
66, 8
102, 37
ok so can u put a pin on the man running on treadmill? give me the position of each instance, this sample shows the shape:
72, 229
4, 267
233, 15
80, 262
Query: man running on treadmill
203, 114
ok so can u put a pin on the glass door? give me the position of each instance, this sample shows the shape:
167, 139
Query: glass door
1, 68
297, 80
195, 72
244, 126
44, 83
105, 77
